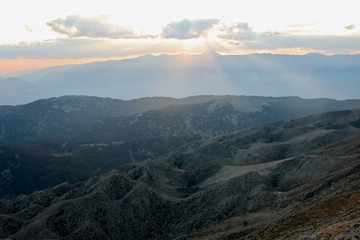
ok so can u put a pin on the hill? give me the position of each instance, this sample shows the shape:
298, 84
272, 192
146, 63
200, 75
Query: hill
66, 116
71, 138
296, 179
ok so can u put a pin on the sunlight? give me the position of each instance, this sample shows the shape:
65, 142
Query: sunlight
212, 36
197, 45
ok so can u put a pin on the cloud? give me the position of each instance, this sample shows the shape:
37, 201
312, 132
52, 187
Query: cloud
60, 48
105, 40
88, 48
242, 31
242, 35
303, 28
29, 28
317, 42
188, 29
236, 31
350, 27
108, 48
93, 27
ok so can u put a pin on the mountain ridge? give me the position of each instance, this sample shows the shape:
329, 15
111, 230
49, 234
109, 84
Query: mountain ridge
274, 199
68, 116
129, 140
184, 74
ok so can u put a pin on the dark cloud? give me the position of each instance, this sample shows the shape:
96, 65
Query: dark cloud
350, 27
94, 27
187, 29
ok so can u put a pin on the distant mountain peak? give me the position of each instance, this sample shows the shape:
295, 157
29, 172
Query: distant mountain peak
211, 53
315, 54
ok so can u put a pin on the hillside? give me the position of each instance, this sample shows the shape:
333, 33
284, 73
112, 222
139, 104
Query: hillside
71, 139
295, 179
66, 116
209, 116
206, 116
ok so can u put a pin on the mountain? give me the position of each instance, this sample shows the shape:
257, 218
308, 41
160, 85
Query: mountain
158, 132
38, 74
294, 179
72, 138
208, 116
12, 88
116, 120
66, 116
270, 142
210, 73
6, 109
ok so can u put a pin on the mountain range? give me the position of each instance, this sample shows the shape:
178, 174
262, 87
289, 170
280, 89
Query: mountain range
307, 76
105, 120
72, 138
290, 179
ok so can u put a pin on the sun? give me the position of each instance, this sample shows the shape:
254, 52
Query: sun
196, 45
201, 44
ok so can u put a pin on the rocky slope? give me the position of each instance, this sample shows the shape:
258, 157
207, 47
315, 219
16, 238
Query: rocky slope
270, 142
239, 186
158, 132
72, 156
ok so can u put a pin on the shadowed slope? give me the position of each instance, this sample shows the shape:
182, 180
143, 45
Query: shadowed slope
310, 193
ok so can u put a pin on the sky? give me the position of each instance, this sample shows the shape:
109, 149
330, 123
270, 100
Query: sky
40, 33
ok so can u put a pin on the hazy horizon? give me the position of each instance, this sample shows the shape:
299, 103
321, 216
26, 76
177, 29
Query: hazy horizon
25, 71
